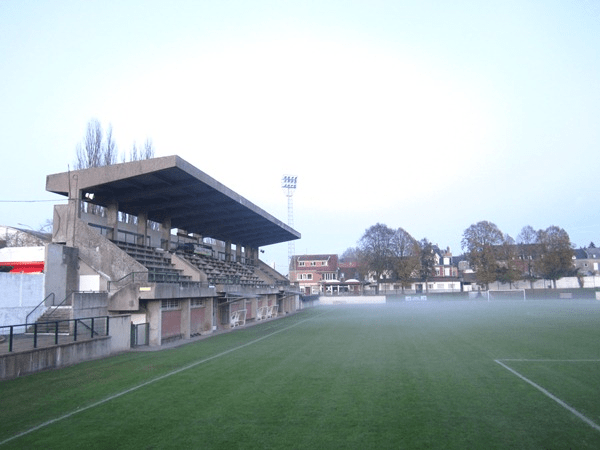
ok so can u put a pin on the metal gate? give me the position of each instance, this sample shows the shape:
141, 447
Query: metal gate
140, 334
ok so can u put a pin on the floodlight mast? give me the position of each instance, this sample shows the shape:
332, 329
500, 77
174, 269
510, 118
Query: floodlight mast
288, 183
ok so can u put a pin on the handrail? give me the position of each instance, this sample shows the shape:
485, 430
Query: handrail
154, 277
56, 306
130, 274
91, 328
51, 294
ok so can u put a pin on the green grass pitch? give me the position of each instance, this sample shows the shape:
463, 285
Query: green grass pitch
404, 375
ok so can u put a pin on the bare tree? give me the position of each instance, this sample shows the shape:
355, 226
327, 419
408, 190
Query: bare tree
89, 152
100, 149
24, 238
148, 150
109, 153
133, 154
145, 152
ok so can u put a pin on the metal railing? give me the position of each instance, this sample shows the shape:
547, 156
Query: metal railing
43, 334
40, 304
128, 279
60, 304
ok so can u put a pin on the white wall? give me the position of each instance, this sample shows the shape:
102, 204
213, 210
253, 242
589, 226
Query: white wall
351, 300
563, 283
22, 254
19, 294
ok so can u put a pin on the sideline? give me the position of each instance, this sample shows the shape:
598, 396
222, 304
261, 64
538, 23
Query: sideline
547, 393
154, 380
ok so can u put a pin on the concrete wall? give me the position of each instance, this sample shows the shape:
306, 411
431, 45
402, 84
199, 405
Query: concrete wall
102, 255
15, 364
120, 333
61, 271
19, 294
90, 304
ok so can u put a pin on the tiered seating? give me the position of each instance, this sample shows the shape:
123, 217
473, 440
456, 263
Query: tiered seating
157, 261
223, 272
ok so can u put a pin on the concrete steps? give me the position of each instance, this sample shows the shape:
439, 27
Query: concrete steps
52, 315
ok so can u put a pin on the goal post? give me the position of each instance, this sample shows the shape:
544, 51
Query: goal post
506, 294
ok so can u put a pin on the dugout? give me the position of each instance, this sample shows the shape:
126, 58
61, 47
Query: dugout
169, 245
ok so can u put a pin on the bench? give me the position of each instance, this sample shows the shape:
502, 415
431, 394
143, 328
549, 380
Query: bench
238, 318
272, 311
261, 312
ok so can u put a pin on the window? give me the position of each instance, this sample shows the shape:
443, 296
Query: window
305, 276
197, 303
329, 276
170, 304
301, 263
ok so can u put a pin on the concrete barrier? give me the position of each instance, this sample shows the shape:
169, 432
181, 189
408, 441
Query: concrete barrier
15, 364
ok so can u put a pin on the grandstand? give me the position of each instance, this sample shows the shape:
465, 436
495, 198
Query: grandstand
164, 242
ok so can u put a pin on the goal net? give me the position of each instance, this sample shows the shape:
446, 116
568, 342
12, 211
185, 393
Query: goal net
512, 294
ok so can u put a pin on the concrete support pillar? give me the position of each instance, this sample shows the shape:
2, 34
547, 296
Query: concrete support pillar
186, 317
238, 252
112, 219
166, 234
154, 317
142, 228
228, 251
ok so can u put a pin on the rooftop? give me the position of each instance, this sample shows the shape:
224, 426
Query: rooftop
170, 187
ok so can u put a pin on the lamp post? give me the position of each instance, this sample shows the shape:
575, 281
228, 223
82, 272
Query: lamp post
288, 183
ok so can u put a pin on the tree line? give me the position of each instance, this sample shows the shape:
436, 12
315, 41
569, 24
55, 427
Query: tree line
536, 254
394, 252
98, 148
492, 254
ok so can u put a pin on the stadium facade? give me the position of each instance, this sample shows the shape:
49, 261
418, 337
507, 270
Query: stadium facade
165, 243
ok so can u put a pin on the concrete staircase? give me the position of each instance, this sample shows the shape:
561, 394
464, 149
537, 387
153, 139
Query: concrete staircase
52, 315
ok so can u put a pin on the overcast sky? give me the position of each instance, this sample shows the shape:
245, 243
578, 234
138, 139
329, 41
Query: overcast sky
429, 116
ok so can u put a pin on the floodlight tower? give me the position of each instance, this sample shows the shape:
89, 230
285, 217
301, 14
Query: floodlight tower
288, 183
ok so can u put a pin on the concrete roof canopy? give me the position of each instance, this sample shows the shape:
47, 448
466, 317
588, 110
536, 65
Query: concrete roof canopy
171, 188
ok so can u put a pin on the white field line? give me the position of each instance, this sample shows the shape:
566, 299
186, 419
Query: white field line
154, 380
547, 393
550, 360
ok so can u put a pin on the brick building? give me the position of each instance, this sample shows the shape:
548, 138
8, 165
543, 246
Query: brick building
308, 272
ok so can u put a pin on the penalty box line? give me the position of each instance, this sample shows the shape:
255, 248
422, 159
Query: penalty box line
548, 393
154, 380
